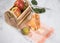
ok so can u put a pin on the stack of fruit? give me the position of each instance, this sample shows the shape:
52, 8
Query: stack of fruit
19, 7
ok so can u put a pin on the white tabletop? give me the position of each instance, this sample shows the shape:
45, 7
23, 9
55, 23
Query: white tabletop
9, 34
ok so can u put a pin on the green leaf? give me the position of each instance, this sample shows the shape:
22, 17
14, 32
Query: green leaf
34, 2
38, 10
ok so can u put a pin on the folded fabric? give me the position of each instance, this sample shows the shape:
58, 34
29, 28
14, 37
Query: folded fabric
40, 35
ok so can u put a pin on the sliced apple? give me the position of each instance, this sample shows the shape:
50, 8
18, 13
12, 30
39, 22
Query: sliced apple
34, 22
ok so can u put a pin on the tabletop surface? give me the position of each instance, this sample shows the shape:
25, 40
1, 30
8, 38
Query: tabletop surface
9, 34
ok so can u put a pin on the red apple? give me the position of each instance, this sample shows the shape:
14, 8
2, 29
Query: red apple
20, 4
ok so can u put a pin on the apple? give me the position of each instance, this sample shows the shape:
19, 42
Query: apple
20, 4
16, 11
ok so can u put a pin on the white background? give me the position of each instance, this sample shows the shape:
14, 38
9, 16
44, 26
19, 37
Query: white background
51, 18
